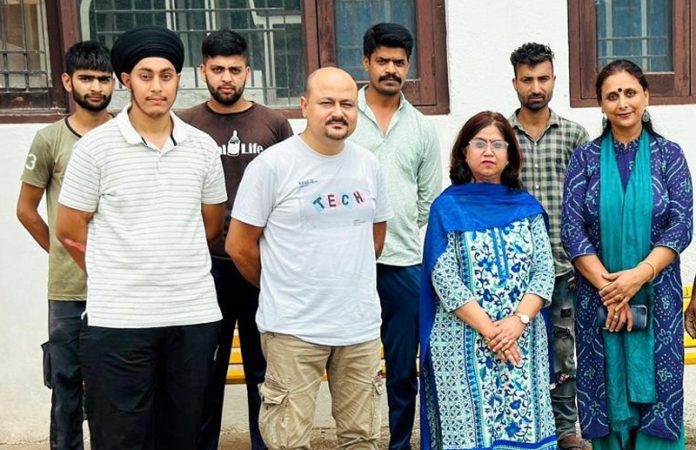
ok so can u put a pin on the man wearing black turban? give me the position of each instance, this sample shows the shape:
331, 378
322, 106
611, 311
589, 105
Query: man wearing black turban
144, 42
147, 192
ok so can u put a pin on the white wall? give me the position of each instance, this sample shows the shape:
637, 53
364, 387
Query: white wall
481, 36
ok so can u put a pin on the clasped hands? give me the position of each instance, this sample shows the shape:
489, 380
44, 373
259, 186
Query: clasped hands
502, 337
619, 289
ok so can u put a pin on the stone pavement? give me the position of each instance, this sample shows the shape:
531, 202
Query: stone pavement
234, 435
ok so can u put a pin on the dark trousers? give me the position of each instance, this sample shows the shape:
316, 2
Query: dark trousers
565, 410
238, 300
399, 290
63, 375
145, 386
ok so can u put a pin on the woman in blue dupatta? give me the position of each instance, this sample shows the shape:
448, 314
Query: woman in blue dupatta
488, 273
627, 215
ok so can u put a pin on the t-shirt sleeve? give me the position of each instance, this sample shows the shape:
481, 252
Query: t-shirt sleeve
383, 209
285, 129
38, 166
256, 194
81, 184
214, 191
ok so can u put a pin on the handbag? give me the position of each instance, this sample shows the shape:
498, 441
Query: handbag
690, 324
640, 317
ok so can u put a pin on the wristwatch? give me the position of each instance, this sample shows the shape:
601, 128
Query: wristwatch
523, 318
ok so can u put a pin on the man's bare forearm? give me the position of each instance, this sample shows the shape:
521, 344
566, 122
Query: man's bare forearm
242, 245
71, 230
28, 214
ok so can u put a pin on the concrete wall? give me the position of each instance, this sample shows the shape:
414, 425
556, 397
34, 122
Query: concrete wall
481, 36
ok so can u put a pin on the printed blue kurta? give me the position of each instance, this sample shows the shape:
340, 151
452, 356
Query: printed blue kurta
475, 401
672, 228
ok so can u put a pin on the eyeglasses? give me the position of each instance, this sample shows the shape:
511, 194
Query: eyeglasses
496, 145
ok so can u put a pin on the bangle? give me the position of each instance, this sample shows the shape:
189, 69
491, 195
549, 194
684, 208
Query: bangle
654, 272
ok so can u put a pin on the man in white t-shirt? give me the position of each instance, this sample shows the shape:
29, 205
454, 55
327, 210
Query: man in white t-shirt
308, 222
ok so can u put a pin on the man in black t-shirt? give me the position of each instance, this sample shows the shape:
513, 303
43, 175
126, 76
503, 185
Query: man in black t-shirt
242, 129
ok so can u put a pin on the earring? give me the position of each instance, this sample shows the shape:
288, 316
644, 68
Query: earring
604, 121
646, 116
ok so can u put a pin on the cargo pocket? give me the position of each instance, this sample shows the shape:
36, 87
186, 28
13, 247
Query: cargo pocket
273, 417
48, 379
377, 392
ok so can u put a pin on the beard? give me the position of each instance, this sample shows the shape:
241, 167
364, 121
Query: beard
536, 103
88, 105
337, 135
226, 100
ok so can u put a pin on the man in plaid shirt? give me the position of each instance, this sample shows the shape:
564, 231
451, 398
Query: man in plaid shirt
547, 140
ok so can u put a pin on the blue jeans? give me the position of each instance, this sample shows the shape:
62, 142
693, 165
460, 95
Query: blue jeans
563, 318
238, 301
399, 292
63, 375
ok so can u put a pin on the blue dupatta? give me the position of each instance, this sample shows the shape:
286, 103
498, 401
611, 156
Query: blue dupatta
461, 208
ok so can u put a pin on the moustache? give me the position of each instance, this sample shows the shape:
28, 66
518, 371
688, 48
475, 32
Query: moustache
337, 121
390, 77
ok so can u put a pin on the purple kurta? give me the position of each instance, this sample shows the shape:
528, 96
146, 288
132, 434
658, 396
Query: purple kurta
671, 227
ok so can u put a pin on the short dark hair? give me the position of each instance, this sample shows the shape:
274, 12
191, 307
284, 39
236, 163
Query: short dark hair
460, 172
531, 54
631, 68
387, 35
88, 55
224, 43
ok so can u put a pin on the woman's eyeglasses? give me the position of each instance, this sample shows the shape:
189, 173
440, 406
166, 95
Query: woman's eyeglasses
496, 145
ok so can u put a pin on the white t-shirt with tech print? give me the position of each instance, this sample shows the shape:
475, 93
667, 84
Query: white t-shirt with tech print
318, 276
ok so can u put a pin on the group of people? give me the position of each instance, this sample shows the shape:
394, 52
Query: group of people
188, 224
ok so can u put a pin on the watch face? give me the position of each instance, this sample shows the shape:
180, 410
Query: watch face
524, 318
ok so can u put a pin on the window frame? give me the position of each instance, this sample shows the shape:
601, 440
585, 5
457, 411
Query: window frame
429, 92
62, 33
666, 88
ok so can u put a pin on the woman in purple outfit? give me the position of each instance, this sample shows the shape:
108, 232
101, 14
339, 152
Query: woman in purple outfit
627, 215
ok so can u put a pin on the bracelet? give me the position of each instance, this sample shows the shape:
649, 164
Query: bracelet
652, 266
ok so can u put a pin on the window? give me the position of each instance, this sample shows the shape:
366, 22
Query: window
272, 28
655, 34
30, 69
340, 31
287, 40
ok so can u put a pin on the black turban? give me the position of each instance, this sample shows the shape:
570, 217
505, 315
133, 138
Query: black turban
143, 42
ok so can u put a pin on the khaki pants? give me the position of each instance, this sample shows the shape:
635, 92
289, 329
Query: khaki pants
289, 391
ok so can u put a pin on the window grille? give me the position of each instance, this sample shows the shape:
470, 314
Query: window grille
272, 28
637, 30
25, 72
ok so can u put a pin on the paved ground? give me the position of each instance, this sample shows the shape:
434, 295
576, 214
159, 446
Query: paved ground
235, 437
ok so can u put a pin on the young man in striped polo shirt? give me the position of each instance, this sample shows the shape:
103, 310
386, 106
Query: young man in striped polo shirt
144, 194
89, 79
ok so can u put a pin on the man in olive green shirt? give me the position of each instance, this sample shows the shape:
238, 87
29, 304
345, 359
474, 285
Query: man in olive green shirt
407, 147
89, 79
